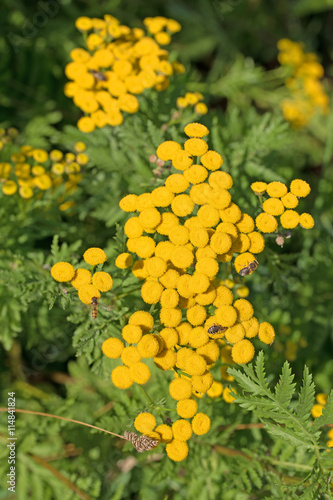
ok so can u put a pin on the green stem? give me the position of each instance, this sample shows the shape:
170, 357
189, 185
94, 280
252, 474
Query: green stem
151, 402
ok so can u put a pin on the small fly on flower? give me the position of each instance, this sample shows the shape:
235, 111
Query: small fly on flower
94, 307
216, 329
249, 269
98, 75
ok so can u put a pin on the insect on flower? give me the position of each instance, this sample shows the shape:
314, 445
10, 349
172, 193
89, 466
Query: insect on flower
216, 329
249, 269
98, 75
94, 307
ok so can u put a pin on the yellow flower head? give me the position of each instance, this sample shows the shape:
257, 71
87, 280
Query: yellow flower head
211, 160
196, 130
182, 257
139, 269
299, 188
201, 424
149, 218
244, 309
231, 214
170, 317
131, 334
208, 266
195, 174
177, 450
259, 188
139, 372
165, 432
273, 206
167, 150
182, 430
226, 315
317, 411
196, 147
94, 256
112, 348
289, 200
289, 219
242, 352
235, 333
169, 298
210, 352
257, 242
124, 260
227, 396
179, 235
201, 108
103, 281
166, 359
187, 408
180, 388
216, 390
121, 377
306, 221
81, 277
162, 196
182, 205
182, 160
266, 223
266, 333
276, 190
143, 319
145, 422
151, 291
87, 292
9, 188
62, 272
128, 203
148, 346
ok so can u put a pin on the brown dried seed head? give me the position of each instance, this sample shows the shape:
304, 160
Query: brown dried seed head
280, 240
152, 158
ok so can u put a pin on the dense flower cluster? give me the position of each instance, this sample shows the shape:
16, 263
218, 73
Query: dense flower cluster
183, 233
193, 100
119, 64
317, 410
89, 284
308, 96
278, 201
32, 171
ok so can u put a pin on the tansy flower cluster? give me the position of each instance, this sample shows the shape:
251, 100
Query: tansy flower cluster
317, 410
308, 96
32, 171
278, 201
193, 100
7, 136
182, 234
89, 284
118, 64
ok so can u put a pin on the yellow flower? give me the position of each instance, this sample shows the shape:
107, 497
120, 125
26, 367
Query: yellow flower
202, 383
112, 348
246, 224
196, 147
180, 388
129, 203
182, 257
83, 23
163, 38
170, 317
170, 337
241, 243
231, 214
235, 333
201, 424
251, 327
322, 399
266, 223
179, 235
182, 205
121, 377
208, 266
168, 220
195, 174
226, 315
208, 216
224, 296
317, 410
201, 108
216, 390
289, 200
244, 309
211, 160
81, 277
242, 352
86, 124
26, 192
273, 206
162, 196
124, 260
148, 346
276, 190
145, 422
139, 372
243, 260
131, 334
182, 430
210, 352
196, 130
306, 221
151, 292
199, 237
187, 408
228, 228
132, 229
266, 333
94, 256
149, 218
40, 155
87, 292
144, 247
9, 188
103, 281
62, 271
169, 298
257, 242
227, 396
177, 450
165, 432
139, 269
5, 169
167, 150
166, 359
173, 26
182, 160
170, 278
299, 188
143, 319
259, 188
289, 219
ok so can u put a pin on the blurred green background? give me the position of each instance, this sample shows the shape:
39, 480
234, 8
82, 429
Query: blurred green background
229, 48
